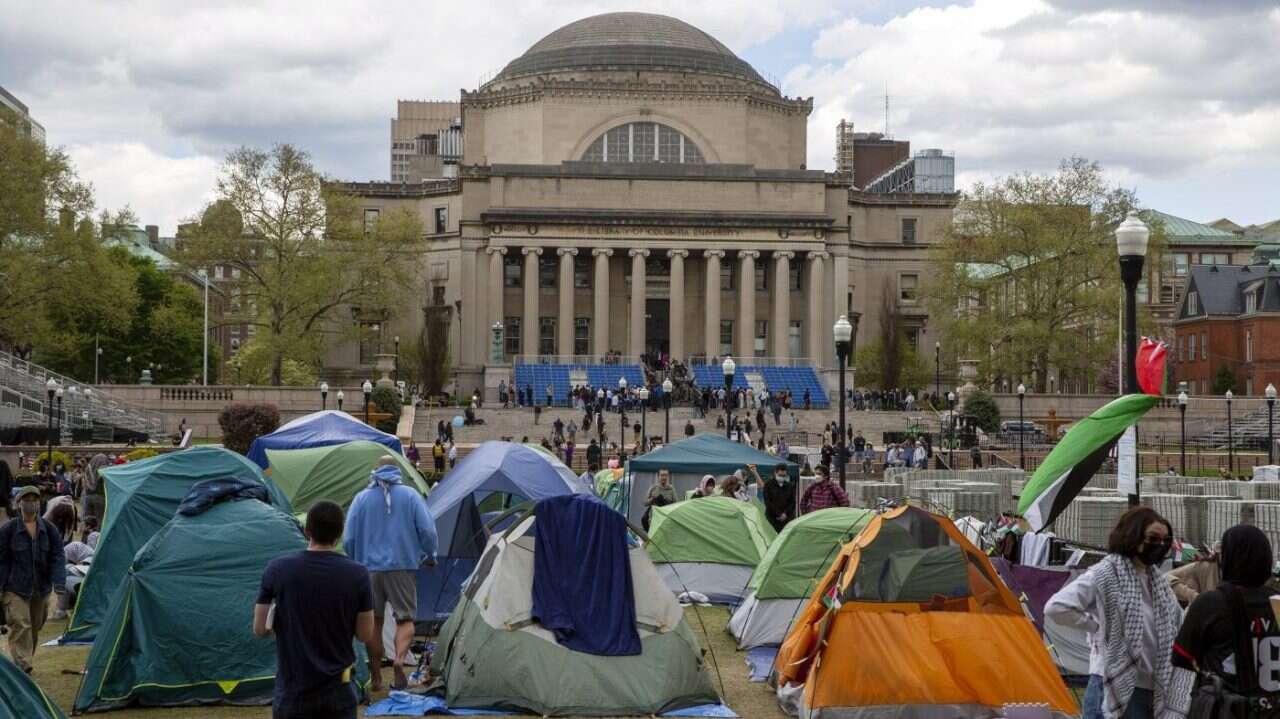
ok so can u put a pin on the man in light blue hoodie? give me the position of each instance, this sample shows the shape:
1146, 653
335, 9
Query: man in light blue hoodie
390, 532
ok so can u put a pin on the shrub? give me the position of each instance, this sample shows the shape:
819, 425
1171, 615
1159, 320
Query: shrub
242, 423
386, 399
983, 407
140, 453
59, 457
1224, 379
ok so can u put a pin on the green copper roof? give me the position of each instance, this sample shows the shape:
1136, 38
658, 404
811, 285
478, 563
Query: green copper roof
1181, 231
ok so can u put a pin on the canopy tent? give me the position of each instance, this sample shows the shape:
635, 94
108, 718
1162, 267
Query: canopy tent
21, 697
178, 632
790, 570
337, 472
140, 498
507, 474
493, 627
912, 615
319, 429
709, 545
688, 460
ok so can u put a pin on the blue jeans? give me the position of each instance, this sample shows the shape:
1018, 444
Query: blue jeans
1140, 704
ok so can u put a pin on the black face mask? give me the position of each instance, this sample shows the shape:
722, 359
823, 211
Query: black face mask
1153, 554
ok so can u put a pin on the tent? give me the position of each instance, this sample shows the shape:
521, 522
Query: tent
21, 697
140, 498
491, 653
497, 475
319, 429
1033, 586
912, 616
709, 545
337, 472
688, 460
178, 632
789, 571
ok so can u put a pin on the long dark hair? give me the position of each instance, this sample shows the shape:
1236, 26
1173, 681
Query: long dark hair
1130, 532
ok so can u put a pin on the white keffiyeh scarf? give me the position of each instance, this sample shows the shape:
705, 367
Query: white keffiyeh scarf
1119, 585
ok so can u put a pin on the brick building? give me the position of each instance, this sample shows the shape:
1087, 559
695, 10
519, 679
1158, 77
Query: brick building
1229, 315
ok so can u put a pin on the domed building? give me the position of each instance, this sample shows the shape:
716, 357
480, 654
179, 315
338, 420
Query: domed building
630, 185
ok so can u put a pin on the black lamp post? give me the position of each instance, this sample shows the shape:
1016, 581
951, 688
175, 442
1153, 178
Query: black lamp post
1231, 443
622, 417
339, 396
728, 367
1131, 244
667, 389
1022, 429
57, 428
324, 395
843, 333
1182, 443
367, 387
51, 388
937, 372
1271, 424
644, 413
397, 367
951, 425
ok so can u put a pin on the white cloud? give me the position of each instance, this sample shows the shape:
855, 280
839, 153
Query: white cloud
130, 174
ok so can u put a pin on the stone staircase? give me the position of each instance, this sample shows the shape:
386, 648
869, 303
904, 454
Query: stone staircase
1247, 431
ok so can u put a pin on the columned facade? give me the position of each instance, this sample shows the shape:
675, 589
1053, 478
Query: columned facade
496, 305
529, 323
565, 314
711, 347
746, 323
639, 283
781, 330
600, 301
814, 282
677, 302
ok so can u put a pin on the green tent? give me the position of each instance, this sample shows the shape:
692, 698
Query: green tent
337, 472
22, 698
791, 569
179, 632
709, 545
140, 498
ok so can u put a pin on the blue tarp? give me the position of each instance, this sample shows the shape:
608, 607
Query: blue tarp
509, 468
582, 591
318, 429
404, 704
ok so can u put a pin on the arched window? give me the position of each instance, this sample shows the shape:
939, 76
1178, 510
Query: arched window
643, 142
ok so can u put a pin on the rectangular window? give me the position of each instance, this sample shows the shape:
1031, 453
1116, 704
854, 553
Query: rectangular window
1215, 258
1204, 345
1182, 349
370, 220
726, 276
582, 272
1144, 292
582, 335
1181, 264
908, 289
546, 335
235, 273
437, 295
643, 145
1191, 344
442, 220
1167, 294
761, 338
1193, 303
726, 337
1248, 346
793, 339
908, 230
762, 276
668, 144
511, 335
218, 272
370, 341
547, 267
795, 279
511, 274
1248, 386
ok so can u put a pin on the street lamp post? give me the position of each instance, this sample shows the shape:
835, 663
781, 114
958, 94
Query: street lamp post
204, 276
937, 372
667, 389
397, 368
843, 333
1182, 444
728, 367
97, 358
951, 425
1231, 443
74, 392
51, 387
1271, 425
339, 397
1131, 244
58, 428
367, 388
1022, 429
622, 417
644, 412
324, 395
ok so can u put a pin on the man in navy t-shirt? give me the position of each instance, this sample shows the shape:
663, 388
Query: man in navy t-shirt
322, 600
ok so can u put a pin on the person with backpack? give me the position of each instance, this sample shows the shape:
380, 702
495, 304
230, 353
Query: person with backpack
1229, 635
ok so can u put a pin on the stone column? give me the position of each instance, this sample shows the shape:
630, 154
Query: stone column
600, 311
815, 328
746, 304
472, 314
529, 323
496, 313
564, 331
635, 343
711, 342
677, 302
781, 303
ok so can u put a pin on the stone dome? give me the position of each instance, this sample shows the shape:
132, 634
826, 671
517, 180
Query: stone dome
630, 41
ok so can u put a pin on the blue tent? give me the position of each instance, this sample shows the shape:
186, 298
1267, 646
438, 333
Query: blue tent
506, 474
319, 429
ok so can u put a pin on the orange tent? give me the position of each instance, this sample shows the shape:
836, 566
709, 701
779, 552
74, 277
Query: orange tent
913, 621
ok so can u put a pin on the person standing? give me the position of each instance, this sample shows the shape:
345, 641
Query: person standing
453, 454
823, 493
321, 601
1132, 618
32, 566
779, 497
437, 456
391, 533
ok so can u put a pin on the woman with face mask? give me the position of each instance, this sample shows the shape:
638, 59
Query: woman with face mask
32, 565
1131, 617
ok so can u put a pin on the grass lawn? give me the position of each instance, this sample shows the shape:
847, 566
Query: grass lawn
751, 701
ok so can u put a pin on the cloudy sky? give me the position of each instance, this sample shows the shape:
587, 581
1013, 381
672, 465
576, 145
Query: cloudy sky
1179, 99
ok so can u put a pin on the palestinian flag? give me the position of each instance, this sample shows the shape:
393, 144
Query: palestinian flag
1077, 458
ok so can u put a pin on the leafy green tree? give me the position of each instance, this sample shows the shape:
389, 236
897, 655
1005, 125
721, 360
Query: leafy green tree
983, 407
253, 364
433, 350
302, 252
1027, 279
1224, 379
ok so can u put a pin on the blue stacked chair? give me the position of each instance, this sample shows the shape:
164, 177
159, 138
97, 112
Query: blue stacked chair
796, 380
558, 376
706, 375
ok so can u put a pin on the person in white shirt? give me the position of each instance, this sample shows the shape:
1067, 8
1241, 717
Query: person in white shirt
920, 459
453, 454
1131, 617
